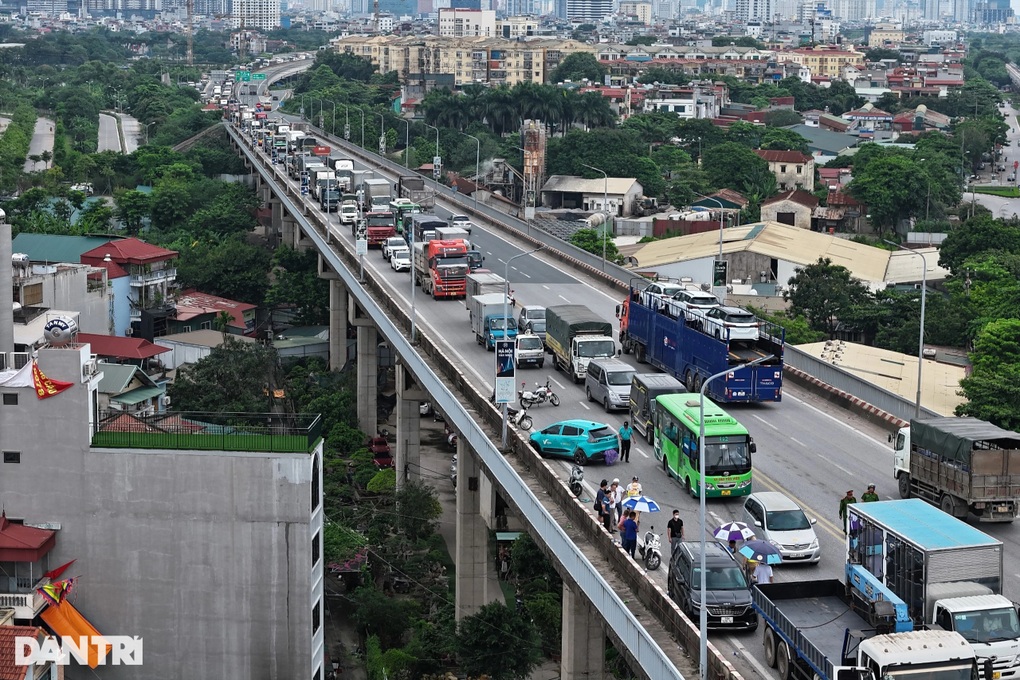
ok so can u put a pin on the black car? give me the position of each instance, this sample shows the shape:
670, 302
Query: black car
728, 593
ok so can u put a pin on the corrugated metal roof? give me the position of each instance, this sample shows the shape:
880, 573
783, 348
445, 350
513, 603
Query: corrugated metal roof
569, 183
771, 239
905, 267
56, 248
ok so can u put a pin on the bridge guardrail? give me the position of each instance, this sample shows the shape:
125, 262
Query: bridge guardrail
394, 323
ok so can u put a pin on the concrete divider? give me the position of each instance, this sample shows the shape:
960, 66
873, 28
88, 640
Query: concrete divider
652, 598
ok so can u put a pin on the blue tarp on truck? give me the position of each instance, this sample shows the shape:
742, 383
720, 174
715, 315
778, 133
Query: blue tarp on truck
692, 348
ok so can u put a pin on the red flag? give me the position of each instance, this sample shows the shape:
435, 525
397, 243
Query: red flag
54, 574
46, 387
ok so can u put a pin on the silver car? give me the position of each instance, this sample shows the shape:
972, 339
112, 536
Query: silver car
775, 518
740, 323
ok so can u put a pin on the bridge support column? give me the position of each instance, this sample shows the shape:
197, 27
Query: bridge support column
472, 554
290, 232
409, 397
337, 325
583, 642
368, 379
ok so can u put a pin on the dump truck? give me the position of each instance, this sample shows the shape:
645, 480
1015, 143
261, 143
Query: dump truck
379, 227
492, 319
813, 631
575, 335
440, 268
413, 188
450, 233
947, 573
965, 466
690, 347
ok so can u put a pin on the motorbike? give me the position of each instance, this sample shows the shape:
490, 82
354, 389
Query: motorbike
519, 418
453, 471
650, 549
576, 477
540, 395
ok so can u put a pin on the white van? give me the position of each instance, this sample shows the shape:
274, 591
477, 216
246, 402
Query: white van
608, 383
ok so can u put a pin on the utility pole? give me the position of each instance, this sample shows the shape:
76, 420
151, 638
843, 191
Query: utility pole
191, 32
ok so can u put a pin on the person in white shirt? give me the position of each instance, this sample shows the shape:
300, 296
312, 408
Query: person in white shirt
617, 493
763, 573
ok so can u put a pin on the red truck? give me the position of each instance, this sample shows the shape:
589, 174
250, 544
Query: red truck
441, 268
379, 227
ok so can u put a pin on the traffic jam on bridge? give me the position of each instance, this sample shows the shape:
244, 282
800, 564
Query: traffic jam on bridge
865, 589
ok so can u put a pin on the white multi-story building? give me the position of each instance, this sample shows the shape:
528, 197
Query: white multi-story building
263, 15
589, 11
754, 10
467, 23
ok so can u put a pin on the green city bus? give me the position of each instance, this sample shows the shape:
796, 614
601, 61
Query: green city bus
729, 446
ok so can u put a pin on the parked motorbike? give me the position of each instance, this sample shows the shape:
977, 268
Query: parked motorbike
650, 549
576, 477
519, 418
453, 471
540, 395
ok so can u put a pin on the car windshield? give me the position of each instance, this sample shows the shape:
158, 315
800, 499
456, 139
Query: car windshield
706, 301
786, 520
401, 253
727, 454
535, 313
599, 433
498, 324
529, 342
537, 326
934, 671
599, 348
721, 578
740, 317
988, 626
619, 377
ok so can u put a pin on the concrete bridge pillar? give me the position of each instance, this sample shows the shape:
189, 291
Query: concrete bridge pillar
583, 643
476, 585
337, 325
409, 397
290, 232
368, 368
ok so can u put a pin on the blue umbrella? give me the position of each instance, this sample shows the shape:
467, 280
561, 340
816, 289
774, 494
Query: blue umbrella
641, 504
761, 551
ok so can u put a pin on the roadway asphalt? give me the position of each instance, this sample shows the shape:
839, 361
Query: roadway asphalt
808, 449
999, 206
109, 134
132, 132
42, 140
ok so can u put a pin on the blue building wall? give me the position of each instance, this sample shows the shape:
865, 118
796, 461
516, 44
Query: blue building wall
121, 305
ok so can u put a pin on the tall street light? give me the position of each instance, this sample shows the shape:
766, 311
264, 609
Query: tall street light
407, 142
147, 131
478, 155
703, 609
347, 121
333, 104
920, 335
382, 131
506, 320
362, 111
605, 207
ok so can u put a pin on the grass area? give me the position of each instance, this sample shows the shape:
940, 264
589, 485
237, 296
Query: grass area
203, 442
1005, 192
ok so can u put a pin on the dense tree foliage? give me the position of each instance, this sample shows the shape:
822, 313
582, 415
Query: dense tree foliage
824, 293
232, 379
578, 66
482, 647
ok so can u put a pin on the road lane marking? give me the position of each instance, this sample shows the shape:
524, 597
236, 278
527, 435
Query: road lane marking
557, 383
563, 298
748, 656
546, 287
797, 441
831, 527
835, 419
765, 421
524, 274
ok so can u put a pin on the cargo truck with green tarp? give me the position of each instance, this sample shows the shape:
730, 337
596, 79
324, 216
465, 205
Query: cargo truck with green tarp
962, 465
575, 335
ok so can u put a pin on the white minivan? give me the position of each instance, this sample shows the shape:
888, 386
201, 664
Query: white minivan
608, 383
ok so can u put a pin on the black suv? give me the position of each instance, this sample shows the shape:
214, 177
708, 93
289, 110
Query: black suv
729, 596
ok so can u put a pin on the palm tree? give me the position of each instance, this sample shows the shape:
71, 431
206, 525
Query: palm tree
595, 111
222, 323
501, 110
46, 156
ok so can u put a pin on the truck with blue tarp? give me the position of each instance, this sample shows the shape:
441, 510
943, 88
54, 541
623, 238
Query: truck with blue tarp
690, 346
946, 573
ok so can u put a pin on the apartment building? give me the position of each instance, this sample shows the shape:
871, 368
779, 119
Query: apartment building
589, 11
263, 15
885, 35
201, 536
823, 60
514, 27
495, 61
467, 23
754, 10
640, 10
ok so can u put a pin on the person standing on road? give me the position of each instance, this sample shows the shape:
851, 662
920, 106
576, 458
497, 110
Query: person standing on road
630, 530
675, 530
869, 496
846, 500
626, 432
614, 504
762, 573
601, 505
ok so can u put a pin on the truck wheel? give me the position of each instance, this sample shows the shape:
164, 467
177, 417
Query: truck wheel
689, 381
904, 483
697, 383
768, 641
639, 353
783, 661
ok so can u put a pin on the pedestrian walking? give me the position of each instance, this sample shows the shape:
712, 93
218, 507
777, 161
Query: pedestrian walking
630, 530
600, 503
846, 500
626, 432
869, 496
675, 531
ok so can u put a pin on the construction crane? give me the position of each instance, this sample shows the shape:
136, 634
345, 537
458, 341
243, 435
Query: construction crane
191, 32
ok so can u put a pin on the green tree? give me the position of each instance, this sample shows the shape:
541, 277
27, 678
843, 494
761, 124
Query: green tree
387, 617
894, 187
777, 139
232, 379
482, 647
733, 165
231, 268
578, 66
880, 53
132, 209
596, 242
296, 283
993, 387
782, 117
980, 234
418, 509
824, 293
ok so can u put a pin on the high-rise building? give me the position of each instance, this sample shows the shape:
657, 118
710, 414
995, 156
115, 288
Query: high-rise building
398, 8
263, 15
992, 12
588, 11
754, 10
467, 23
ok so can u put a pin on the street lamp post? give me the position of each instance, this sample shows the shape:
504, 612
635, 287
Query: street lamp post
436, 171
703, 609
605, 207
478, 155
722, 224
920, 334
407, 142
347, 121
147, 131
382, 130
302, 106
333, 104
321, 107
506, 321
362, 111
